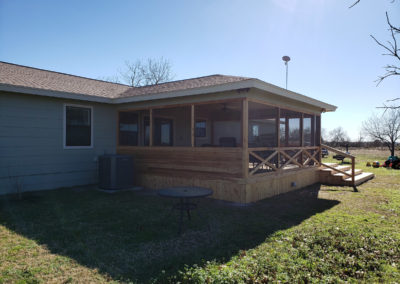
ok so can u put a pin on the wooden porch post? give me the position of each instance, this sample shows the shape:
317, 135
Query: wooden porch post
151, 128
286, 131
192, 126
301, 136
278, 136
318, 130
245, 137
302, 130
313, 123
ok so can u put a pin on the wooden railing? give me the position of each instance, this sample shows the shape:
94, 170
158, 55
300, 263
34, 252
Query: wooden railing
346, 155
264, 160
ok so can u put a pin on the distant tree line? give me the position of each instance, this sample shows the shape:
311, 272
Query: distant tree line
381, 130
358, 144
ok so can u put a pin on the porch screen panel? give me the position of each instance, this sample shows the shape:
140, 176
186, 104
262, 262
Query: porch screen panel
172, 126
292, 128
262, 125
128, 128
219, 124
282, 131
308, 129
146, 130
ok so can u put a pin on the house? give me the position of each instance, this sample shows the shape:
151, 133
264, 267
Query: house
242, 137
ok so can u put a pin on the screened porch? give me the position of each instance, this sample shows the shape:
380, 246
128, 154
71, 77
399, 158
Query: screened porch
235, 138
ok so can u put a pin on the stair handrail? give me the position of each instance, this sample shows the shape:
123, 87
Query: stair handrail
337, 151
353, 161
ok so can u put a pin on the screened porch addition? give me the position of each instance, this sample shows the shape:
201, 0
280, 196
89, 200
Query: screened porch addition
237, 138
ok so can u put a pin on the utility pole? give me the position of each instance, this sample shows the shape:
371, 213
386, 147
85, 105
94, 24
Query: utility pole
286, 59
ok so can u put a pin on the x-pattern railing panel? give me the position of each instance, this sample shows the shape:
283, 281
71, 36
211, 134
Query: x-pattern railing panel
289, 158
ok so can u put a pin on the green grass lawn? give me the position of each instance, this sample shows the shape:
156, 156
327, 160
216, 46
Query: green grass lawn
318, 234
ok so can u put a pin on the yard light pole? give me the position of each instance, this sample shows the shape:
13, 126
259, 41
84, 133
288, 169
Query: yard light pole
286, 59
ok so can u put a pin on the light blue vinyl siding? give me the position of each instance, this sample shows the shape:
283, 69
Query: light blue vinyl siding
31, 143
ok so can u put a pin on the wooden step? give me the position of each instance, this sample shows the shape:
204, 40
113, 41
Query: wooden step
331, 172
341, 168
356, 173
359, 179
330, 164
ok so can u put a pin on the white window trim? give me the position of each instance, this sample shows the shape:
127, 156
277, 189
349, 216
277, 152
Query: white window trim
65, 128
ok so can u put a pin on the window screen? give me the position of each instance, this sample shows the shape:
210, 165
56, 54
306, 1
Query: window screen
78, 128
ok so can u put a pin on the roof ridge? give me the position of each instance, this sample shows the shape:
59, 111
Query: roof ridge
62, 73
180, 80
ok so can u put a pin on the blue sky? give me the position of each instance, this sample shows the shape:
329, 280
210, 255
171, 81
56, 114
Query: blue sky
333, 57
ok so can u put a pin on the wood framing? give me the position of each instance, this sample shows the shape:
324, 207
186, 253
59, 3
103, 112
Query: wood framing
175, 105
222, 163
279, 106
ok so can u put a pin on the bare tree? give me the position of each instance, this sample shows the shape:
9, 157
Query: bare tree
157, 71
385, 128
152, 72
338, 136
360, 138
392, 50
133, 73
324, 135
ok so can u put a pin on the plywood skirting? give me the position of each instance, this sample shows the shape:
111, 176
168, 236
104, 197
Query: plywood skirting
223, 189
278, 184
239, 190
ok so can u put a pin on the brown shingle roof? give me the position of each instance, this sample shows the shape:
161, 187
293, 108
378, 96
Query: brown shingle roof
23, 76
193, 83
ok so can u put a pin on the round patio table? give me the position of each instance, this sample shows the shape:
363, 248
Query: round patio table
185, 193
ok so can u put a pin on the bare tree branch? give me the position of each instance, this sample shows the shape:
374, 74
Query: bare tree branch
132, 75
157, 71
385, 128
338, 136
138, 73
355, 3
392, 49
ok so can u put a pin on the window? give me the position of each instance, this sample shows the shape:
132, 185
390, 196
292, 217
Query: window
255, 130
128, 129
163, 132
77, 126
201, 128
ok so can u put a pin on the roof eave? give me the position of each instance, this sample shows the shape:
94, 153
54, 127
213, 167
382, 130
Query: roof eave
248, 83
51, 93
259, 84
185, 92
